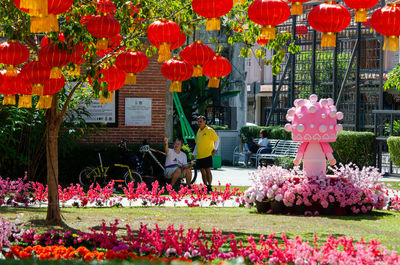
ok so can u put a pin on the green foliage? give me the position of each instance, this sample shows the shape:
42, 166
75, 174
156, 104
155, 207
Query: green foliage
219, 127
395, 131
323, 72
273, 132
285, 162
355, 147
393, 143
393, 79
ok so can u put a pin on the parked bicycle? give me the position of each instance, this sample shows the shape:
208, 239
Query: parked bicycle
103, 174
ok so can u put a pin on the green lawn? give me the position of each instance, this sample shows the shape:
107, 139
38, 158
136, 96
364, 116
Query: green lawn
382, 225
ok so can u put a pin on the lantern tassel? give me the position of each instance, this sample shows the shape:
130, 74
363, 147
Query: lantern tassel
9, 100
35, 7
110, 97
76, 71
197, 71
37, 89
328, 39
361, 15
391, 43
297, 8
238, 2
176, 86
41, 24
55, 73
102, 44
11, 71
45, 102
268, 32
25, 101
213, 24
164, 52
130, 79
213, 82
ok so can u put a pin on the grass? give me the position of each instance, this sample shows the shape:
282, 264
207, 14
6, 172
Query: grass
382, 225
395, 185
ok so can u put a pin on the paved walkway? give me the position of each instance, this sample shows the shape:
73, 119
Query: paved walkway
240, 176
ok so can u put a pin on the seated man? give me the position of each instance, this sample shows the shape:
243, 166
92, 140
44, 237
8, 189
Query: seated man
176, 163
252, 146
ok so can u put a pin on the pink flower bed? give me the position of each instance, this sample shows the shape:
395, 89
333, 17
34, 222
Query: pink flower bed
199, 245
357, 190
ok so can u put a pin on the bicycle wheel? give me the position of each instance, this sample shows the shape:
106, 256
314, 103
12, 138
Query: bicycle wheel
136, 178
87, 176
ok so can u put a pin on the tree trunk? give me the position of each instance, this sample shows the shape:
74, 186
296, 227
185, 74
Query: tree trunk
52, 129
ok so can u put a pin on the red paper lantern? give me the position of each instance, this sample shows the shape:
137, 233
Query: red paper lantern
45, 20
176, 70
329, 18
76, 55
46, 40
35, 74
103, 28
262, 42
53, 57
386, 21
212, 10
105, 7
268, 14
361, 7
297, 6
51, 87
113, 44
12, 85
115, 79
163, 33
13, 53
132, 62
215, 69
178, 42
197, 54
301, 30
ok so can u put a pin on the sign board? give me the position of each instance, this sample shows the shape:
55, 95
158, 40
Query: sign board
101, 113
138, 111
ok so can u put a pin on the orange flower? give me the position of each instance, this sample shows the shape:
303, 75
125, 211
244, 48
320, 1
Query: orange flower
88, 257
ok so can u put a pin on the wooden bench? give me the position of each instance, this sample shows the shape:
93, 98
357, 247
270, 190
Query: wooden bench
284, 148
239, 153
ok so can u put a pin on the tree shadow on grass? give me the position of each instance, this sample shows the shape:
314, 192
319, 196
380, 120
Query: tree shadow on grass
41, 223
6, 209
373, 216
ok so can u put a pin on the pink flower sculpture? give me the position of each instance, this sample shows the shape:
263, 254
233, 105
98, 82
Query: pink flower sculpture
314, 123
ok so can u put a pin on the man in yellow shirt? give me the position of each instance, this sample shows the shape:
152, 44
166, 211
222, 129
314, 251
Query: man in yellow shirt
207, 142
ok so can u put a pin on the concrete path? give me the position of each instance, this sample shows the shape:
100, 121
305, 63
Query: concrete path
241, 176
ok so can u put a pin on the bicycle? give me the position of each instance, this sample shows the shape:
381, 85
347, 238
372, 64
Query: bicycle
100, 173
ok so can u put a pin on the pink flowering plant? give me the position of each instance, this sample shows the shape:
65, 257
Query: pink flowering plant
357, 190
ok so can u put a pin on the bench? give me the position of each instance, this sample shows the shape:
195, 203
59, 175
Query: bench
239, 153
284, 148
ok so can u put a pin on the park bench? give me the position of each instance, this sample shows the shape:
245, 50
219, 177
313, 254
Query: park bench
239, 153
284, 148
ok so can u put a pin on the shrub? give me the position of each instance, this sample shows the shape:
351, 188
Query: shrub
355, 147
273, 132
394, 149
284, 162
219, 127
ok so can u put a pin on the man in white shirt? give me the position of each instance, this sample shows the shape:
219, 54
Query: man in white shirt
176, 165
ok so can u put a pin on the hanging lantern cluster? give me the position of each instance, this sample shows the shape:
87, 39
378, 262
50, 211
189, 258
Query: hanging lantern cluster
35, 75
386, 22
329, 18
132, 62
115, 79
162, 34
10, 86
212, 10
176, 70
297, 6
13, 53
197, 54
361, 7
50, 87
216, 68
268, 14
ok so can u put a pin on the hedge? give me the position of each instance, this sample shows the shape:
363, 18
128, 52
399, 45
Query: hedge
393, 143
273, 132
355, 147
